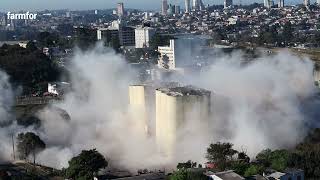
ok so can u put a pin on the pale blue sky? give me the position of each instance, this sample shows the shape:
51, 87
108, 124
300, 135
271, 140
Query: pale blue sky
30, 5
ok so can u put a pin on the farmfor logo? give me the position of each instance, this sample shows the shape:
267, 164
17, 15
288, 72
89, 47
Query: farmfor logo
26, 15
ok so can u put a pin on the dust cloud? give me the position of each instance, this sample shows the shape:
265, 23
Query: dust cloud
254, 106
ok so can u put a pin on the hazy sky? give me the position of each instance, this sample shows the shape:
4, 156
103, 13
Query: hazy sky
29, 5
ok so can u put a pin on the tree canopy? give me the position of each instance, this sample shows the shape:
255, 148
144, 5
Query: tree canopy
85, 165
221, 154
29, 143
28, 67
187, 174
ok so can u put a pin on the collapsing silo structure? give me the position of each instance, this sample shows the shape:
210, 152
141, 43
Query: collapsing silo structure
174, 105
142, 101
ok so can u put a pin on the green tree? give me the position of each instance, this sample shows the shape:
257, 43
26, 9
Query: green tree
254, 170
85, 165
279, 159
240, 167
47, 39
185, 174
27, 68
31, 46
264, 157
242, 156
221, 154
29, 143
306, 155
287, 33
85, 37
186, 165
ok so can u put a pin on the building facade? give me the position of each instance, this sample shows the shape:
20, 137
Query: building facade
167, 58
143, 36
120, 9
127, 36
197, 5
164, 7
187, 6
281, 4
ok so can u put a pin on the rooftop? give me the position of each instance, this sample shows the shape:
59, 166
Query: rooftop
159, 84
226, 175
184, 91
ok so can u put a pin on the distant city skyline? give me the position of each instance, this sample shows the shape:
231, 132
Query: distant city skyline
33, 5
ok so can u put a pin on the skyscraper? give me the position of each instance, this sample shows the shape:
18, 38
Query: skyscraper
281, 4
177, 10
172, 9
268, 3
227, 3
306, 2
164, 8
120, 9
187, 6
197, 5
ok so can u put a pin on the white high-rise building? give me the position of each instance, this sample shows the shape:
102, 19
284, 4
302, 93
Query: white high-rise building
197, 5
187, 6
143, 36
268, 3
306, 2
167, 56
281, 4
164, 8
120, 9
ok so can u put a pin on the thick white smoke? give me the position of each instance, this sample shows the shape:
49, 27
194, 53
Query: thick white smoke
264, 100
255, 106
6, 99
8, 127
98, 106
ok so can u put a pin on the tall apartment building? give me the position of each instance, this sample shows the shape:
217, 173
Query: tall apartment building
167, 59
164, 7
125, 34
187, 6
143, 36
281, 4
177, 10
268, 3
181, 52
120, 9
197, 5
